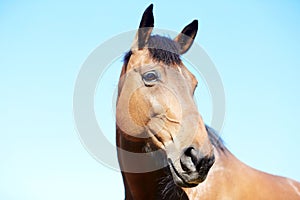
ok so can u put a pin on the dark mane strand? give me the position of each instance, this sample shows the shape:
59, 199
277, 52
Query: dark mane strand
215, 139
168, 190
126, 58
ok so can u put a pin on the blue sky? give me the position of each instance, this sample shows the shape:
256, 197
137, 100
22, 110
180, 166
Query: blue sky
254, 45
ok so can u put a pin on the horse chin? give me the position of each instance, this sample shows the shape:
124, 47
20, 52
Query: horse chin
181, 179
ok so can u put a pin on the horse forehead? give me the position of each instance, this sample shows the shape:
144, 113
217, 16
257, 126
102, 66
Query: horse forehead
140, 58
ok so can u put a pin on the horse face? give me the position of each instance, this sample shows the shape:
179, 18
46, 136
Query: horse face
156, 103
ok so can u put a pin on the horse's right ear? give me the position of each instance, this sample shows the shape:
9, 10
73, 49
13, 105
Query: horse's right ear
145, 28
186, 38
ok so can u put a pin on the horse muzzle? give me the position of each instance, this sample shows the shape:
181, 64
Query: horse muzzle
192, 169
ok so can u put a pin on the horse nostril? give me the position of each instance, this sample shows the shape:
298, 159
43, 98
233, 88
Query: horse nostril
193, 154
189, 159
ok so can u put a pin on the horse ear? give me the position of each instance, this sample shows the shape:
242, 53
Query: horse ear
145, 28
186, 38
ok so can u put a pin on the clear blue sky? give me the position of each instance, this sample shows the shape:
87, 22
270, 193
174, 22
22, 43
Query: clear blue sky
255, 47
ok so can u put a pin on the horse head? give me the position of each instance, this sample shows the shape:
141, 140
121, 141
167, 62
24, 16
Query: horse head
156, 106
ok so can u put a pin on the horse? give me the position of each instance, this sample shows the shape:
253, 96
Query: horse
165, 150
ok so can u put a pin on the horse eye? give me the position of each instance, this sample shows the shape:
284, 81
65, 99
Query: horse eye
150, 76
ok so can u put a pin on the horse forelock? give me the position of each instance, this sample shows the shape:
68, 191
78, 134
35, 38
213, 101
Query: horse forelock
161, 49
165, 50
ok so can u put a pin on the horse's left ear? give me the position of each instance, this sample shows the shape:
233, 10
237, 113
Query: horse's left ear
145, 28
186, 38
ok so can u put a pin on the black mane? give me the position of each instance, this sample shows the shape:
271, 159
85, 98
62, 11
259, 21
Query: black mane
215, 139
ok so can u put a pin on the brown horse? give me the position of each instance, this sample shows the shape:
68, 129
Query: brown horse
165, 150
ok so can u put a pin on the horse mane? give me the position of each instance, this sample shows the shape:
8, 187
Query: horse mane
215, 139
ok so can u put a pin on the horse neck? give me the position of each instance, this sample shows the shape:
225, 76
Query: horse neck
143, 185
156, 184
229, 178
152, 185
137, 185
